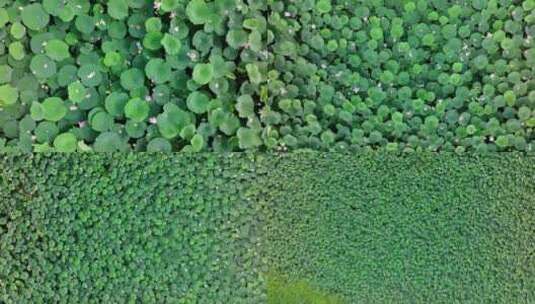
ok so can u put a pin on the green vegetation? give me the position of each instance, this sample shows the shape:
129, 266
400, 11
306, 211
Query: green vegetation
269, 75
111, 69
418, 228
128, 228
304, 228
403, 74
280, 291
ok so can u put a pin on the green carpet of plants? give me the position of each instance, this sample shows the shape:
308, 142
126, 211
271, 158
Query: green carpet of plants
131, 75
301, 228
269, 75
128, 228
404, 74
422, 228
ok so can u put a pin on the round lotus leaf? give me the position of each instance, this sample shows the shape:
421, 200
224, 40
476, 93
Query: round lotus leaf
8, 95
101, 121
161, 94
115, 103
117, 30
153, 24
132, 78
46, 131
27, 124
167, 127
255, 41
53, 7
85, 24
80, 7
36, 111
198, 102
112, 59
66, 14
137, 3
179, 28
57, 50
90, 75
137, 109
77, 92
17, 30
42, 66
199, 12
34, 16
5, 73
118, 9
188, 131
197, 143
203, 73
67, 75
38, 42
158, 70
135, 129
16, 50
65, 142
219, 86
153, 41
135, 26
93, 112
257, 23
510, 98
171, 44
172, 121
254, 73
323, 6
169, 5
10, 129
248, 138
53, 109
237, 38
159, 144
245, 106
229, 124
221, 67
203, 41
108, 142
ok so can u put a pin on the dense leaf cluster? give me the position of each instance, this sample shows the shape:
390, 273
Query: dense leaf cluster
234, 75
125, 75
129, 229
403, 74
205, 228
420, 228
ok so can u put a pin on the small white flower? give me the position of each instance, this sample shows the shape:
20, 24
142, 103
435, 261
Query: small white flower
192, 55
